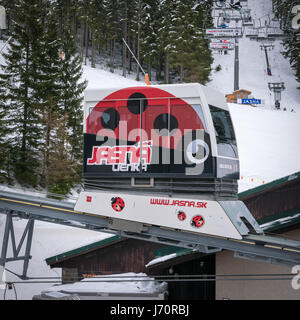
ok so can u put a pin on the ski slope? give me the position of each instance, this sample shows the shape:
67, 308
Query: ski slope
253, 75
268, 144
268, 139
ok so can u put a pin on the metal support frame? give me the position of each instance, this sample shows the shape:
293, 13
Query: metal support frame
236, 18
265, 47
258, 247
236, 65
9, 233
277, 88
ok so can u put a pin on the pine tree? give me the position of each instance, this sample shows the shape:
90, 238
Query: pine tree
72, 91
111, 28
191, 56
96, 21
283, 11
20, 80
5, 142
167, 33
61, 96
50, 93
124, 23
62, 171
149, 27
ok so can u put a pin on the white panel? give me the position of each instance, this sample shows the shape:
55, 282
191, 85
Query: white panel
161, 211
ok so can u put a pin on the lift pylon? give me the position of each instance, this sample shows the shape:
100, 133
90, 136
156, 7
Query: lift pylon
9, 234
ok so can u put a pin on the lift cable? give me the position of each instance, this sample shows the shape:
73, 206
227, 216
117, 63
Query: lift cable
204, 279
117, 277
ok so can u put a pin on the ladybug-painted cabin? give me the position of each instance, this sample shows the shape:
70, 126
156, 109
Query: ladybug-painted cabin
160, 137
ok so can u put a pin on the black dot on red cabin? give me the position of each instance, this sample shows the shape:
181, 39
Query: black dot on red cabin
136, 101
110, 119
164, 124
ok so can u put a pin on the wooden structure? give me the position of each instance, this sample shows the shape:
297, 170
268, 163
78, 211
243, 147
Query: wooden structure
238, 94
276, 203
109, 256
116, 255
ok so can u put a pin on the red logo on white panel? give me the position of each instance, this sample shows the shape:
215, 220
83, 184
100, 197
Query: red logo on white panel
197, 221
117, 204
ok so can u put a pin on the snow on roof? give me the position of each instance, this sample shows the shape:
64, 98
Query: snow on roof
272, 184
175, 253
161, 259
282, 220
119, 283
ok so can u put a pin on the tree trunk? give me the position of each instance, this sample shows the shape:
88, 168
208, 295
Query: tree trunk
138, 43
25, 111
74, 24
82, 26
158, 70
181, 72
167, 68
45, 170
93, 64
130, 43
149, 69
125, 37
112, 55
86, 43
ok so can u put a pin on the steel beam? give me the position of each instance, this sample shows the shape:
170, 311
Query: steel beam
9, 231
236, 65
252, 246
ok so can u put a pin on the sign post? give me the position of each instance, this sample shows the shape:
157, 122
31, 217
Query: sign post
219, 44
224, 32
249, 101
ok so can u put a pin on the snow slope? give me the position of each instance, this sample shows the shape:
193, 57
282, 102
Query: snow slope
98, 78
253, 74
268, 144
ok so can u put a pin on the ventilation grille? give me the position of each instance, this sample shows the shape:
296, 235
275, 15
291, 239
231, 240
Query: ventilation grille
214, 187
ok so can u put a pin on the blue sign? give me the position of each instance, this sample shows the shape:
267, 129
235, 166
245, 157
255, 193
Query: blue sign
251, 101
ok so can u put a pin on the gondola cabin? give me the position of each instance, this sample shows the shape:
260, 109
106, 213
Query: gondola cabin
159, 138
163, 156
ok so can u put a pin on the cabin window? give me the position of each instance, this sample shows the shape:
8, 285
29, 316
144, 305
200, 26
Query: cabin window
226, 142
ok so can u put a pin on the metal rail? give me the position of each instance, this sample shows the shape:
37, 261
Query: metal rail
258, 247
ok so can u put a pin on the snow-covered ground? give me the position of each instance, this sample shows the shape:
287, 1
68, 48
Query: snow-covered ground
268, 143
48, 240
100, 78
